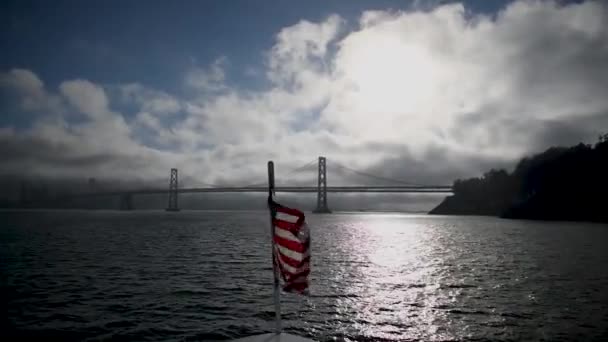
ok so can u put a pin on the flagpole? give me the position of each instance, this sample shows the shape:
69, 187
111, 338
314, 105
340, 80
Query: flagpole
277, 299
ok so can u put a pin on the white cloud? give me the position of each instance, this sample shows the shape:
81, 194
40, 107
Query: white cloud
412, 77
301, 52
210, 79
149, 121
88, 98
442, 90
22, 80
31, 90
150, 100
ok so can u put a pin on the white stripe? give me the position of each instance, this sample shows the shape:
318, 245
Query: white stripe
286, 217
294, 270
292, 254
285, 234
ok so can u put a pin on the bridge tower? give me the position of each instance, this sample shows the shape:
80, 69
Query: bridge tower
172, 206
322, 207
126, 201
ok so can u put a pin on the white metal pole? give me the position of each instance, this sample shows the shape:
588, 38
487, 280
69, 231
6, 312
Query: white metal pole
277, 293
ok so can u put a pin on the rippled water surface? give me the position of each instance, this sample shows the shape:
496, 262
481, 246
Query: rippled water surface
207, 275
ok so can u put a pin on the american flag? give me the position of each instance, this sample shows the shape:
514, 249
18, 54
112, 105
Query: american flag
291, 247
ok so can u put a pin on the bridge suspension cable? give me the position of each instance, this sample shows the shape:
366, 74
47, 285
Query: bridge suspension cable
361, 173
301, 168
292, 171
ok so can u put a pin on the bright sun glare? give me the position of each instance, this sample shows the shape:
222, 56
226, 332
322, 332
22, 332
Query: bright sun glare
400, 78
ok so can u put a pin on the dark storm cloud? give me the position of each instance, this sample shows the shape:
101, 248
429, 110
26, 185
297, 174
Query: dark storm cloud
439, 166
535, 135
35, 156
570, 132
20, 149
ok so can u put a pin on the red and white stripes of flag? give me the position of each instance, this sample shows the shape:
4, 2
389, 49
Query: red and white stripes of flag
291, 247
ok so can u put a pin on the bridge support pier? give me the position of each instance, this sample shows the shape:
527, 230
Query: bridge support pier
126, 201
172, 206
322, 207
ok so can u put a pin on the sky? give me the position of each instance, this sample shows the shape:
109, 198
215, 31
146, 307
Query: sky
421, 91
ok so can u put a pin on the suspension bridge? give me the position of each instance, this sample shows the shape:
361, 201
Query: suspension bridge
321, 188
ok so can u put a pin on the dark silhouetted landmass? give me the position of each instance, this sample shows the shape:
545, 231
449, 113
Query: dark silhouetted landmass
562, 183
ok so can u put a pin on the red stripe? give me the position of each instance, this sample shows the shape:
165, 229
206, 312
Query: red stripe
303, 270
290, 226
301, 274
299, 271
297, 282
303, 266
290, 211
295, 287
293, 262
289, 244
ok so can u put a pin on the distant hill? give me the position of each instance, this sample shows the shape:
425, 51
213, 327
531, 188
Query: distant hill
562, 183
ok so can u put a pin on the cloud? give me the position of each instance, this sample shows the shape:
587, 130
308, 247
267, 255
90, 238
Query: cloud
86, 97
86, 139
210, 79
421, 95
415, 77
301, 52
30, 89
150, 100
23, 81
157, 113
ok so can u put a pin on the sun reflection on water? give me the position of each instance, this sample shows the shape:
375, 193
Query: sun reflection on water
421, 278
400, 269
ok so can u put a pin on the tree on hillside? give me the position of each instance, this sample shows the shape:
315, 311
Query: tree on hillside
560, 183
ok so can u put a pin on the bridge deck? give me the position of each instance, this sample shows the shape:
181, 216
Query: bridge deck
288, 189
